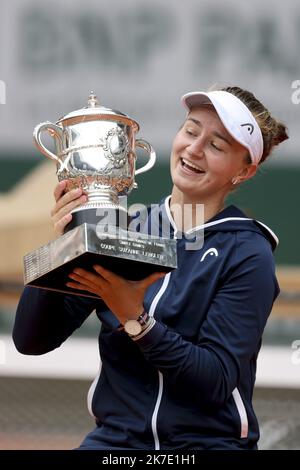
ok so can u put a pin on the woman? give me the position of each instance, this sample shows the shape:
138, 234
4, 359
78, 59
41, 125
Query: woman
179, 351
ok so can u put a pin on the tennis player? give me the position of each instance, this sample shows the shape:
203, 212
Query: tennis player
178, 351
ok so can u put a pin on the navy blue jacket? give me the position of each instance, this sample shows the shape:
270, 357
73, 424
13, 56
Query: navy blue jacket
188, 382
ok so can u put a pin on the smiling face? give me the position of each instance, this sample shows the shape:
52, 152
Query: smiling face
205, 158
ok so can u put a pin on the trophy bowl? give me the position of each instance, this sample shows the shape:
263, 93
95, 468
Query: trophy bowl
95, 151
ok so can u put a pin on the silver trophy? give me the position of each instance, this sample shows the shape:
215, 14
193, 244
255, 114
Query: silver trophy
95, 149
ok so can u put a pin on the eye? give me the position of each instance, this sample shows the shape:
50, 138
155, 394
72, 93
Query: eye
190, 132
216, 147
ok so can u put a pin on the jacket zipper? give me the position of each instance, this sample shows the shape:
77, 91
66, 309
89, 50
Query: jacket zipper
91, 391
155, 412
242, 413
160, 376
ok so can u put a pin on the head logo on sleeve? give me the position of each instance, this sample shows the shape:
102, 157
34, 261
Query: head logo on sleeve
211, 252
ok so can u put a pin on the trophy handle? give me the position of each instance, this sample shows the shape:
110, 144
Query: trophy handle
152, 155
53, 130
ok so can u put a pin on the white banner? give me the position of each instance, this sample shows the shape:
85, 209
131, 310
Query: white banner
140, 56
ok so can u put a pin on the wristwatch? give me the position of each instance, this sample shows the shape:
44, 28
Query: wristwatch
135, 327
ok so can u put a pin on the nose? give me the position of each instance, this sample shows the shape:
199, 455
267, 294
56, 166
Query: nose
196, 148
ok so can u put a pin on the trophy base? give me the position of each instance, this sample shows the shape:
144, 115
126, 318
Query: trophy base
131, 255
103, 216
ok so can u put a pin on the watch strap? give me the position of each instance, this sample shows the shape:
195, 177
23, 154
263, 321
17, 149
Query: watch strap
151, 322
143, 319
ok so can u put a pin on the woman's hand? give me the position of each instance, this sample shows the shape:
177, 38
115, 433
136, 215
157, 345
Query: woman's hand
65, 203
124, 298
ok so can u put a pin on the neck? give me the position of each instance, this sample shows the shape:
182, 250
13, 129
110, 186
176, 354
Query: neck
188, 213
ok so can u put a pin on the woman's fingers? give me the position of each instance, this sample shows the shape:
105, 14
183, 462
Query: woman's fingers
60, 189
83, 284
87, 278
60, 225
84, 280
109, 276
113, 278
75, 285
68, 200
61, 212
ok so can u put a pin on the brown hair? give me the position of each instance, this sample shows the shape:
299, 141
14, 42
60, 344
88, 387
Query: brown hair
273, 131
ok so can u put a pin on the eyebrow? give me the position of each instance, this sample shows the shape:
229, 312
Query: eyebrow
215, 133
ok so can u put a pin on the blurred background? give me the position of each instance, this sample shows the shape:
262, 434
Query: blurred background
139, 56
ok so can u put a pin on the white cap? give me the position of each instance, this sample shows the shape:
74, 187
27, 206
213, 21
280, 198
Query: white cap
235, 116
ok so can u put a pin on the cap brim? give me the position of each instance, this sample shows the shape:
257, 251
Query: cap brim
192, 100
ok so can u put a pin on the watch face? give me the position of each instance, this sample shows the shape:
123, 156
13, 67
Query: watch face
133, 327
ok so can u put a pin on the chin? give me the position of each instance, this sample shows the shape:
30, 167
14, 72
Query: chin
186, 188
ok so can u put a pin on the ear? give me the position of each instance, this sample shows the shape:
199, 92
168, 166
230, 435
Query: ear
247, 173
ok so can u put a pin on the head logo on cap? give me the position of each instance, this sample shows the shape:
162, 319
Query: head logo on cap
250, 127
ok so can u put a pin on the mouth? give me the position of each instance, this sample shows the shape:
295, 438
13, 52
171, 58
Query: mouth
191, 167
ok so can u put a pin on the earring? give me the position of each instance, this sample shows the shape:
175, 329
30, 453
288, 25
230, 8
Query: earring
234, 181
